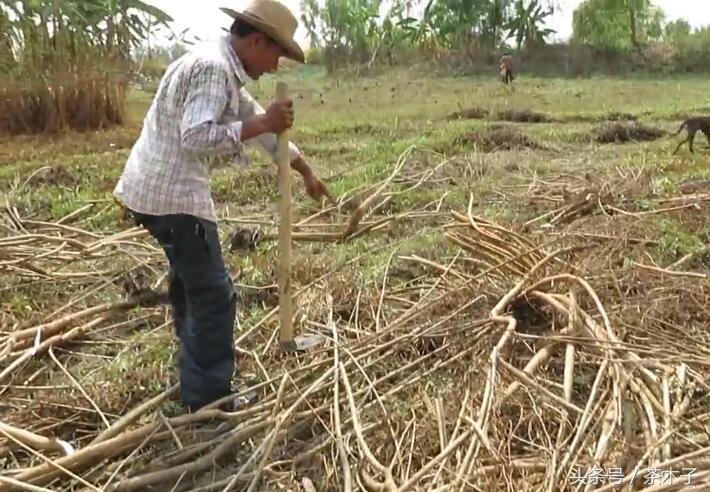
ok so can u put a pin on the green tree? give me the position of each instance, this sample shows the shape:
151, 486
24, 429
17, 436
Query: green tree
677, 31
358, 30
348, 28
617, 24
458, 22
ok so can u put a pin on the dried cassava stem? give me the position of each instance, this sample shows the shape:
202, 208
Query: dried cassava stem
37, 442
359, 212
342, 451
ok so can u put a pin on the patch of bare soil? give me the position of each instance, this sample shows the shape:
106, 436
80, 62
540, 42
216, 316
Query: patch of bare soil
498, 138
627, 132
694, 185
55, 176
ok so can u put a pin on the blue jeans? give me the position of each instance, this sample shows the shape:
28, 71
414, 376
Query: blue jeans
204, 302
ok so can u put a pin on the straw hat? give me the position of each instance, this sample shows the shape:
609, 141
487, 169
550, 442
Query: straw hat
273, 19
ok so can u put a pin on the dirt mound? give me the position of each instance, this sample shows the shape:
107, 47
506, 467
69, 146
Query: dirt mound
627, 132
694, 185
522, 116
474, 113
512, 115
588, 118
498, 138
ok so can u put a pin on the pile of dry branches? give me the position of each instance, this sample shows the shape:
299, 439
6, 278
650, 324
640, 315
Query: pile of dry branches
521, 362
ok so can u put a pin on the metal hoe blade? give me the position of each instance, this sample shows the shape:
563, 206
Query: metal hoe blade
301, 343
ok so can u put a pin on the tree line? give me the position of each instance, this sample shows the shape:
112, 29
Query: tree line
66, 63
365, 31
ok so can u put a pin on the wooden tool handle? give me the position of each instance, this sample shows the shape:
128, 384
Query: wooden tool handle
284, 272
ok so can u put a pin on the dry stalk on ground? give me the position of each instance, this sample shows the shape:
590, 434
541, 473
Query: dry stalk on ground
517, 364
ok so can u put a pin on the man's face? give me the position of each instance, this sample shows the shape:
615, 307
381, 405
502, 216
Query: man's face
262, 55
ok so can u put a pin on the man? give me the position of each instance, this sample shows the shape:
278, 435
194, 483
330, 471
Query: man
200, 115
506, 69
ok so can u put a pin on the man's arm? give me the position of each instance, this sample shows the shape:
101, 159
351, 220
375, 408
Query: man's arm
206, 100
250, 110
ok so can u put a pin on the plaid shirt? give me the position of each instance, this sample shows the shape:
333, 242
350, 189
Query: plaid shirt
193, 125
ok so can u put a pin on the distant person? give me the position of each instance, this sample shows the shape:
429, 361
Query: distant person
201, 112
506, 69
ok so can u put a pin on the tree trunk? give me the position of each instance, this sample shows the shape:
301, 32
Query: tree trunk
632, 23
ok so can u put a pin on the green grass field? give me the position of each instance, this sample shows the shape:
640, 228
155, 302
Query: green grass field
638, 208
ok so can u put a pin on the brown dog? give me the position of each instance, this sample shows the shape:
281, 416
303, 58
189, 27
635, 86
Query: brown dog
693, 126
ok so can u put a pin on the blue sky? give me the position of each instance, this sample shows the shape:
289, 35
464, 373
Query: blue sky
204, 18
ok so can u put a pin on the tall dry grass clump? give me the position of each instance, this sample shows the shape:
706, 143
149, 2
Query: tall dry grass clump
66, 65
79, 103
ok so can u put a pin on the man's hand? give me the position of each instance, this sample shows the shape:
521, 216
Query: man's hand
315, 188
279, 116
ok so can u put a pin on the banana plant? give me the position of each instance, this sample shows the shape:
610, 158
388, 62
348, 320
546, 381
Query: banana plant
128, 22
78, 27
526, 24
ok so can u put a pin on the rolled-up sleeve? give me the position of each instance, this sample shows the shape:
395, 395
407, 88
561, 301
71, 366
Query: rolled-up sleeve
207, 97
248, 107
